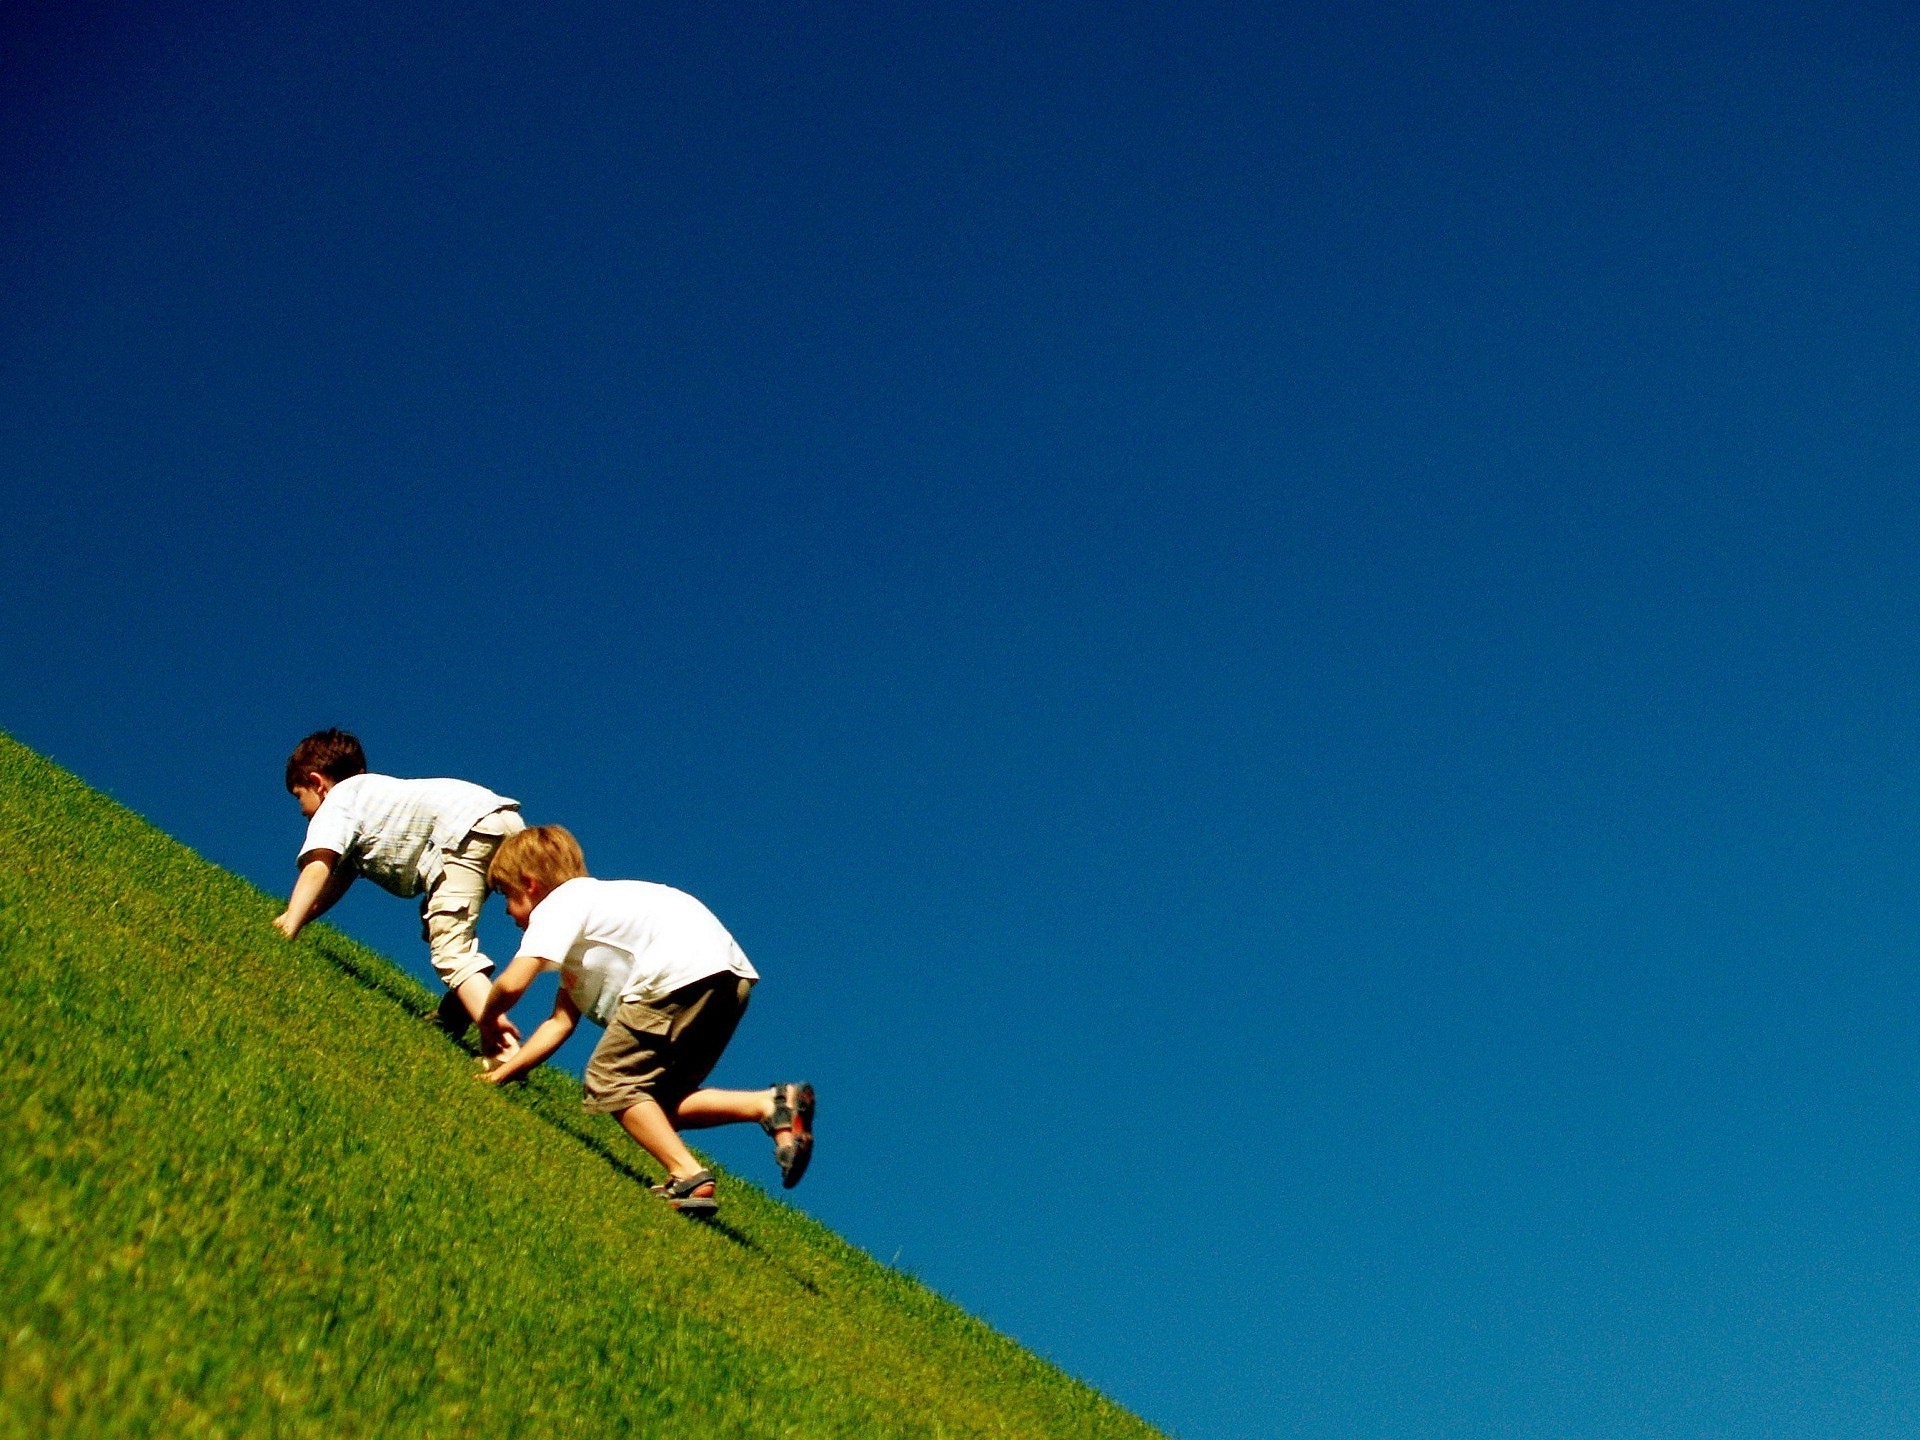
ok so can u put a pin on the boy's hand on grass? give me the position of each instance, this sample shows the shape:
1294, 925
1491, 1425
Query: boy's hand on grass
499, 1036
494, 1071
499, 1046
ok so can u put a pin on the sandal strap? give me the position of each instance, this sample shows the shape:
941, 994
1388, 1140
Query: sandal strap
680, 1189
782, 1116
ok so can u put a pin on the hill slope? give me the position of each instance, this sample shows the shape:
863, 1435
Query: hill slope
250, 1191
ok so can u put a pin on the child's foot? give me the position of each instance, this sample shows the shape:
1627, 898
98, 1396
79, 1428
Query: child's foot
451, 1016
693, 1195
792, 1114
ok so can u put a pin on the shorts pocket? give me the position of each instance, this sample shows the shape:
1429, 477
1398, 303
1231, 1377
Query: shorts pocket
441, 913
644, 1019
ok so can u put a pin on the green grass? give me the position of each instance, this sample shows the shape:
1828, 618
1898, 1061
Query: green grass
248, 1189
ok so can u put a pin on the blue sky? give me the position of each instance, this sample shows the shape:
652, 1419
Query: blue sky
1288, 635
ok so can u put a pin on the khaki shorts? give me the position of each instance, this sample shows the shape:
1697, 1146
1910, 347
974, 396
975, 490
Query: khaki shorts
450, 910
661, 1050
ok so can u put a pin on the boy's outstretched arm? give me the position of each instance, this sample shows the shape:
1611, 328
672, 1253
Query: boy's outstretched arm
323, 880
548, 1037
505, 992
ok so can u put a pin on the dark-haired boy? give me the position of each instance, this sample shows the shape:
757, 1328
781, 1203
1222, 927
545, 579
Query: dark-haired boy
431, 838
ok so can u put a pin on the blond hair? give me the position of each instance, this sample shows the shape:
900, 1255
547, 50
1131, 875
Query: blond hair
545, 853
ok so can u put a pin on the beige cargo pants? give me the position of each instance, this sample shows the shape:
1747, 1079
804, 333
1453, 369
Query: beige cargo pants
450, 910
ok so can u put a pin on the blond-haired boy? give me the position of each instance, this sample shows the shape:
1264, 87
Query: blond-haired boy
652, 965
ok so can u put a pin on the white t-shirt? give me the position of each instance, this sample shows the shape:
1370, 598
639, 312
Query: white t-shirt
394, 832
619, 940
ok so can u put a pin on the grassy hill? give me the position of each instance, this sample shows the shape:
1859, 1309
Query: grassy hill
249, 1190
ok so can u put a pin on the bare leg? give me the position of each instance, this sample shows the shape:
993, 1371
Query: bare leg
704, 1109
473, 995
647, 1123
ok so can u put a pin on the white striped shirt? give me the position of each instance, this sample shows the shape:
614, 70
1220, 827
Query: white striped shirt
394, 832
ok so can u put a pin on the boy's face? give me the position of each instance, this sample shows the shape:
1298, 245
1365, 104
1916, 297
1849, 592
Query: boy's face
311, 794
520, 902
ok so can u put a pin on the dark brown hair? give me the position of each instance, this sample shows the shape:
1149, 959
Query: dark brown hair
332, 753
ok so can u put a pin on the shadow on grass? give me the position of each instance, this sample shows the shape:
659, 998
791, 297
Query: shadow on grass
536, 1103
382, 980
447, 1015
379, 977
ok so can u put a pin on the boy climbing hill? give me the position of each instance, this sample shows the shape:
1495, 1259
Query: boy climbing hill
432, 838
664, 977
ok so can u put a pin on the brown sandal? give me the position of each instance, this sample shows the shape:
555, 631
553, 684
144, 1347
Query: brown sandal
792, 1112
691, 1196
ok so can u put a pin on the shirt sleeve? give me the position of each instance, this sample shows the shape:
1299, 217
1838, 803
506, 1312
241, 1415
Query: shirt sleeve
331, 828
553, 930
